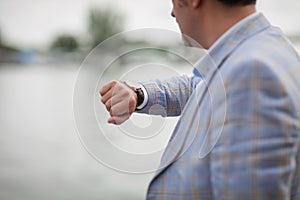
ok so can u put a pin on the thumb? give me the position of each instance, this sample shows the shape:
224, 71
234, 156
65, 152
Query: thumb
117, 120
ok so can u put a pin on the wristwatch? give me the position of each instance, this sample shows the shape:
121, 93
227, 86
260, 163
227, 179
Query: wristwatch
136, 87
140, 97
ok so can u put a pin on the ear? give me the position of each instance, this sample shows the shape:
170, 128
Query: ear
196, 3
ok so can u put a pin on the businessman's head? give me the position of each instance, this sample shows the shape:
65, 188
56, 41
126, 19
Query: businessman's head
206, 20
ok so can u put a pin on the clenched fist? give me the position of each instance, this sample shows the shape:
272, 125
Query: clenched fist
120, 101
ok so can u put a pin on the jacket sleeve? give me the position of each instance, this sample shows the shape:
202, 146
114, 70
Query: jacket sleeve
168, 97
256, 154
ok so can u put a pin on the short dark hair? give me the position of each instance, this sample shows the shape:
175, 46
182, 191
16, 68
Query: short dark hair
237, 2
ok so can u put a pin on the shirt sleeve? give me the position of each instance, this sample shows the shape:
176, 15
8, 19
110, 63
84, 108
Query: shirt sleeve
168, 97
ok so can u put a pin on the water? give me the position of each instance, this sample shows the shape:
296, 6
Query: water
40, 154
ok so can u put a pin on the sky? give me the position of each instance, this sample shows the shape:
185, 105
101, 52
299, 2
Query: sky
34, 23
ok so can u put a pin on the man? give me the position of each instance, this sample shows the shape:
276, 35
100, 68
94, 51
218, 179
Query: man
239, 132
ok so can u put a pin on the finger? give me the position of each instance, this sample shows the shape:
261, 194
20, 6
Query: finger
111, 100
117, 120
119, 109
119, 101
107, 87
108, 105
106, 96
114, 92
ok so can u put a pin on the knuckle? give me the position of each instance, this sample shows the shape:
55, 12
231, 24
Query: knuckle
101, 92
114, 82
112, 110
108, 105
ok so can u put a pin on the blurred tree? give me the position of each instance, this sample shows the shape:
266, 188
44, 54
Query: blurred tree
65, 42
103, 23
0, 37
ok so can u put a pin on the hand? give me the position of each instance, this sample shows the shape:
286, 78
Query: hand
120, 101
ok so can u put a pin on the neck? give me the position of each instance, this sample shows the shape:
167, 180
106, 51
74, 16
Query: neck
217, 19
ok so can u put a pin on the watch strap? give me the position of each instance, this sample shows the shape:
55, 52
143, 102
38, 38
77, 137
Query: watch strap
140, 97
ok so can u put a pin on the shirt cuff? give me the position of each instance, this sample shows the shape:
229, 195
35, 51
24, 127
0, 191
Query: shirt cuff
146, 98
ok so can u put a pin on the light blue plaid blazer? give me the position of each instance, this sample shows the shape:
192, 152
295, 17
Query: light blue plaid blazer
238, 136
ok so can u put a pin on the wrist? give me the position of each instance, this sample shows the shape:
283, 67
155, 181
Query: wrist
139, 93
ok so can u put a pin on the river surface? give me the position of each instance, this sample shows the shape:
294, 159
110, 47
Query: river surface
40, 153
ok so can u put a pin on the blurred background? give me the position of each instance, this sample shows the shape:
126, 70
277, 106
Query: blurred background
42, 45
